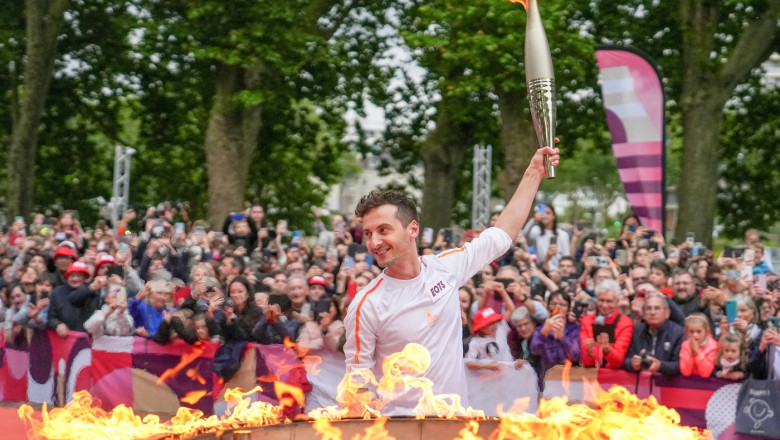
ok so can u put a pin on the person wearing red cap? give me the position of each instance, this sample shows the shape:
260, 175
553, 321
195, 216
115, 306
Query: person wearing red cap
414, 299
75, 301
63, 257
485, 350
103, 263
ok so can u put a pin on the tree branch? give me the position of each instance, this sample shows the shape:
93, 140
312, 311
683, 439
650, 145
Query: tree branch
752, 48
317, 9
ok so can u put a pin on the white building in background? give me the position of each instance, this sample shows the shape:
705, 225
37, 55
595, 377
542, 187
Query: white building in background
344, 196
772, 67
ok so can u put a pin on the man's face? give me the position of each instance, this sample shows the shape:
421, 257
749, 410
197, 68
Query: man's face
296, 267
683, 286
280, 283
639, 275
508, 274
76, 280
28, 276
658, 278
655, 312
226, 267
156, 265
606, 302
602, 274
62, 263
297, 289
567, 268
388, 241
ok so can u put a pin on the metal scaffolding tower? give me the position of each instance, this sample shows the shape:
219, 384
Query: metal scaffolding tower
480, 199
120, 199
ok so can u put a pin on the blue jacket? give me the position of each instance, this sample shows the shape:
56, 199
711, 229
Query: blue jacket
668, 342
146, 316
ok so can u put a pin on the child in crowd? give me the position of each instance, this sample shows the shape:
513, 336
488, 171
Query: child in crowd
732, 356
192, 329
485, 349
17, 307
698, 351
112, 319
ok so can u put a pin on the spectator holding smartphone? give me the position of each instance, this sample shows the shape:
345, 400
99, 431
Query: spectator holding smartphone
558, 338
605, 337
241, 311
552, 242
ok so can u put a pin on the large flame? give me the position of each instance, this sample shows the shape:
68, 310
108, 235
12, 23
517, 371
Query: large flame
616, 414
361, 394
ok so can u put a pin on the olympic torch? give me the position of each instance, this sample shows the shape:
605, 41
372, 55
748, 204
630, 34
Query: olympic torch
540, 79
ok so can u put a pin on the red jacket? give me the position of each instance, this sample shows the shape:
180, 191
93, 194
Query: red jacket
624, 331
701, 365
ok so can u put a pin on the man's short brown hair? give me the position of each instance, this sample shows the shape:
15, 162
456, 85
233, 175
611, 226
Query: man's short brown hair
407, 209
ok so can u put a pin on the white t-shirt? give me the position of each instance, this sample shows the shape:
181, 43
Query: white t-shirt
389, 313
542, 239
491, 348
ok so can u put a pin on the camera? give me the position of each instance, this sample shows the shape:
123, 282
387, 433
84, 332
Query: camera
447, 234
645, 363
271, 232
505, 281
579, 309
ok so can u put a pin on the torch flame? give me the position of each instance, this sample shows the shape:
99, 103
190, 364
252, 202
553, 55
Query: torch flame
523, 2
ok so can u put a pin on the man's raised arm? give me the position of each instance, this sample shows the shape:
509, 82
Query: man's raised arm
515, 214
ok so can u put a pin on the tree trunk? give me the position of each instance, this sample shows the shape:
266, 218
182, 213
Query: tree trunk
442, 155
705, 89
44, 21
231, 138
517, 137
698, 183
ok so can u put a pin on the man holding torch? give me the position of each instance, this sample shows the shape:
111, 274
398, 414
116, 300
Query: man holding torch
415, 299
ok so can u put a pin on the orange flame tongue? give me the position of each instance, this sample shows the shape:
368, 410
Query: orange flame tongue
523, 2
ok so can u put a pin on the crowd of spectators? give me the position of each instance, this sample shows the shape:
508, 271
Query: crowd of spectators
560, 294
631, 302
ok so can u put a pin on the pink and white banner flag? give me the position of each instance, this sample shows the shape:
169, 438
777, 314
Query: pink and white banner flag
634, 102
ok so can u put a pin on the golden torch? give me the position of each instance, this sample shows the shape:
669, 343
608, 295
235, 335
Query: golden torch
540, 78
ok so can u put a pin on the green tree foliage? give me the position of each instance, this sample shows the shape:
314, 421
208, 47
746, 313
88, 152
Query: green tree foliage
298, 65
474, 82
705, 50
750, 164
145, 74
